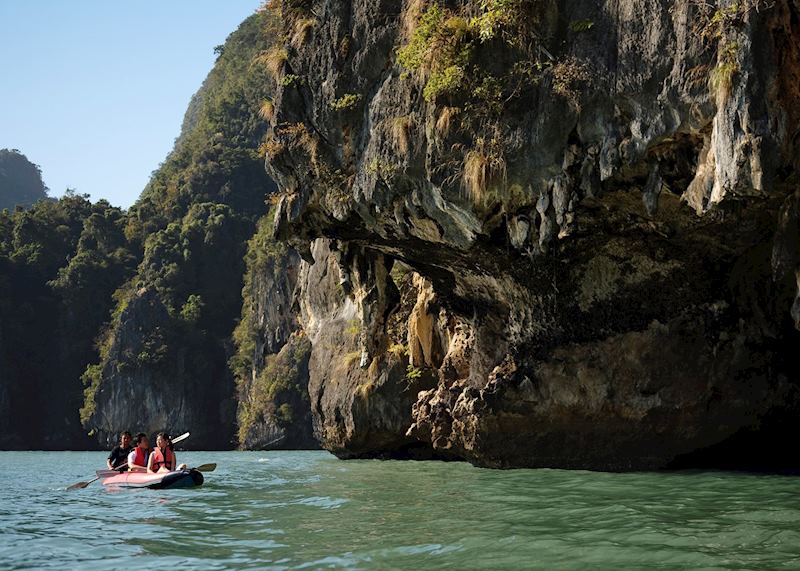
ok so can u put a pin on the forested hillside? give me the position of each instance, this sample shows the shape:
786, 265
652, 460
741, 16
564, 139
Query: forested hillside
60, 263
164, 358
113, 320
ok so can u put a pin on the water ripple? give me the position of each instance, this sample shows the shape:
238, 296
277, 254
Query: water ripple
307, 510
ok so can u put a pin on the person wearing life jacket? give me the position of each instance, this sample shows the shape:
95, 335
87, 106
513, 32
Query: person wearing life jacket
162, 458
137, 459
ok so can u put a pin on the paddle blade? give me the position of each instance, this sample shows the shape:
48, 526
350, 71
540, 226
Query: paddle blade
80, 485
206, 467
180, 438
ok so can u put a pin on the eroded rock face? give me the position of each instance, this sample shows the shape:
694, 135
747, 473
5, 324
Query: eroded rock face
274, 410
621, 403
147, 387
598, 292
786, 251
284, 421
360, 388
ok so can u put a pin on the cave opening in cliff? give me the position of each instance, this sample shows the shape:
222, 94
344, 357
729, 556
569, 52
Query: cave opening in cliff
763, 448
677, 159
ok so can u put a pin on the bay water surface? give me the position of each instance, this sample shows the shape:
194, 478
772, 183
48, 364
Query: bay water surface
308, 510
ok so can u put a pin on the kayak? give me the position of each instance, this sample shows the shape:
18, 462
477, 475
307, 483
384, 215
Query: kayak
159, 481
176, 479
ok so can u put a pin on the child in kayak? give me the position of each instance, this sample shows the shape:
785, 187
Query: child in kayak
137, 459
162, 458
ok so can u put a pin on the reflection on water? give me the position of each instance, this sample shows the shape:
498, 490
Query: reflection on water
307, 510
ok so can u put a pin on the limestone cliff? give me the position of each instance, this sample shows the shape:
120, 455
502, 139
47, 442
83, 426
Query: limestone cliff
271, 363
593, 199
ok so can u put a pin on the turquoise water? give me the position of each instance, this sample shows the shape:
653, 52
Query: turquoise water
308, 510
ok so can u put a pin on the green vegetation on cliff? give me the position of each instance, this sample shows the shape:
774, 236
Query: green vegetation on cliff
262, 253
482, 61
114, 320
271, 360
174, 318
273, 401
215, 159
60, 261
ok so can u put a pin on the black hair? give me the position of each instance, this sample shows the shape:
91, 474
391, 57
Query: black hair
167, 437
139, 437
125, 433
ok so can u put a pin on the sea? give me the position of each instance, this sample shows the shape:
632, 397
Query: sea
309, 510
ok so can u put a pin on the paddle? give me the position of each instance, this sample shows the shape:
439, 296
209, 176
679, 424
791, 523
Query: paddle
205, 467
271, 442
104, 473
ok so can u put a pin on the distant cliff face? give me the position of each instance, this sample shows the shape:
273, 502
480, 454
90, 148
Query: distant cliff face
5, 382
20, 180
164, 359
596, 204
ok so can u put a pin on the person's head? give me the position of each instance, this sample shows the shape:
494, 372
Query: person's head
163, 440
141, 440
125, 439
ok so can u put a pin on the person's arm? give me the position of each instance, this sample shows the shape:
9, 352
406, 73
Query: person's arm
150, 463
108, 461
179, 466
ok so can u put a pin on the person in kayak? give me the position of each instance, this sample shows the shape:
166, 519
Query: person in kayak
162, 458
119, 454
137, 459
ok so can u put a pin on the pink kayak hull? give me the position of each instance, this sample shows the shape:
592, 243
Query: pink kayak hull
161, 480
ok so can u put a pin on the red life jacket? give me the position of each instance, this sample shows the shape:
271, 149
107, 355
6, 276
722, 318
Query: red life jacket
140, 459
158, 460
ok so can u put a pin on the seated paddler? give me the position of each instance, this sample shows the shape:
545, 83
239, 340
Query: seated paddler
138, 457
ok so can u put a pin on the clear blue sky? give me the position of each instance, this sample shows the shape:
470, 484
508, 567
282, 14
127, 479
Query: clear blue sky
94, 91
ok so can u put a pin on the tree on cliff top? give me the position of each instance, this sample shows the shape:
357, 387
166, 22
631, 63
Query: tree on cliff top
20, 180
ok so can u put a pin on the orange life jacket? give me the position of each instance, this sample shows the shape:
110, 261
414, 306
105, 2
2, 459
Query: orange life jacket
141, 456
158, 459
